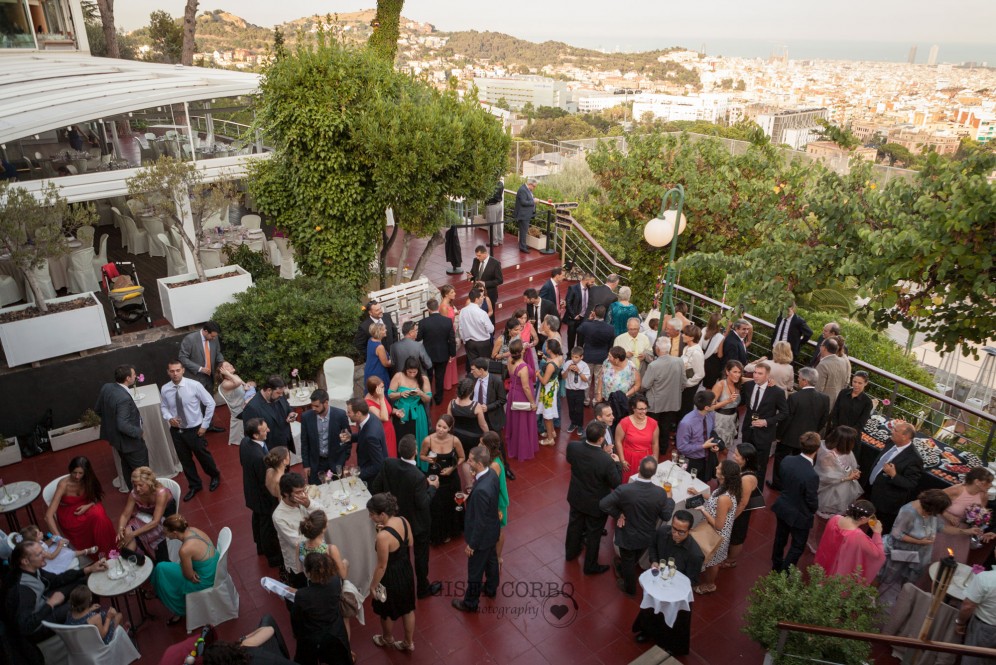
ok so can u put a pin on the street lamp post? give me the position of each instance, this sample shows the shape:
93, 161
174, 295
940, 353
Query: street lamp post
664, 229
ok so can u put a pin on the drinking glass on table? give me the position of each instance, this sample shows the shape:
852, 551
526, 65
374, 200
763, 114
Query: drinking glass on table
354, 473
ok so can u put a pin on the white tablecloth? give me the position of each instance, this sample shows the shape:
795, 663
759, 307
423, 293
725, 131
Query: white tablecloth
959, 583
681, 482
353, 533
666, 596
162, 455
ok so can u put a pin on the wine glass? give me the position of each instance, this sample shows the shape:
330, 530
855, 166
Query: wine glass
674, 456
338, 471
694, 473
459, 497
132, 566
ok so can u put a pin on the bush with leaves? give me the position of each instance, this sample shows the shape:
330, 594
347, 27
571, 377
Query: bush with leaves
832, 601
278, 325
255, 263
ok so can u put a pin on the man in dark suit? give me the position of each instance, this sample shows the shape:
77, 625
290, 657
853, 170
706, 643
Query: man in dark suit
793, 329
808, 411
321, 447
120, 422
766, 408
271, 405
550, 291
371, 445
537, 309
734, 347
485, 268
637, 508
593, 475
402, 478
604, 294
575, 307
596, 337
482, 528
375, 314
439, 340
525, 210
252, 452
489, 390
831, 329
795, 507
895, 478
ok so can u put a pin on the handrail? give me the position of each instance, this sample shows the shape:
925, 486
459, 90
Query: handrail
576, 225
888, 640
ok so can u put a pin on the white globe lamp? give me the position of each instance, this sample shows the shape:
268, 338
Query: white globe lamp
659, 231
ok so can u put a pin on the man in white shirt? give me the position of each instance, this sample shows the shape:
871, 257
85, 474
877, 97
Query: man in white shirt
977, 618
181, 404
634, 342
294, 506
476, 329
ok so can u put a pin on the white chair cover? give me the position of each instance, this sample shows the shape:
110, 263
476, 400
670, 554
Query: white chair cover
175, 265
219, 603
85, 647
100, 259
288, 264
339, 380
251, 221
85, 235
153, 227
274, 251
81, 277
137, 240
44, 278
210, 258
135, 207
220, 218
10, 292
256, 245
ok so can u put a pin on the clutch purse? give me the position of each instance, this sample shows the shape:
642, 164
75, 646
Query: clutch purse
380, 593
905, 556
718, 440
521, 406
695, 501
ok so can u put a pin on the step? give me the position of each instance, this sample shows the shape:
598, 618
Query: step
655, 656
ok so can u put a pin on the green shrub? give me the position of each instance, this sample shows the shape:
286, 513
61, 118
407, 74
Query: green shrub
278, 325
832, 601
255, 263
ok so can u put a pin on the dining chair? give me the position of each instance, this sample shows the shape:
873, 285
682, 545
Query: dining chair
85, 235
44, 279
175, 265
220, 602
338, 372
210, 258
85, 646
48, 171
49, 492
10, 292
251, 221
138, 240
81, 277
100, 259
135, 207
219, 218
153, 227
71, 170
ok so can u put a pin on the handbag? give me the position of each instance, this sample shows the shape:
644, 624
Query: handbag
756, 500
905, 556
707, 539
521, 406
349, 604
380, 593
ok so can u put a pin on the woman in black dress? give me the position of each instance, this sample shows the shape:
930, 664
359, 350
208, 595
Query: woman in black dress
469, 423
394, 571
443, 452
318, 626
745, 455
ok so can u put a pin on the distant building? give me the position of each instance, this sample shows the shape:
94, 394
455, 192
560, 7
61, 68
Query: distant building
984, 127
919, 141
596, 103
837, 158
932, 56
710, 107
912, 57
794, 128
520, 90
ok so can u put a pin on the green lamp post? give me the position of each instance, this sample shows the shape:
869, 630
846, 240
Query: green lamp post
664, 229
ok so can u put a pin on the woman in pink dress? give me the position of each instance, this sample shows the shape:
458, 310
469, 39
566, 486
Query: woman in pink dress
845, 547
521, 435
973, 491
529, 337
446, 295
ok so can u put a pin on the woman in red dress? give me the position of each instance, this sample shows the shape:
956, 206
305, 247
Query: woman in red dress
381, 409
637, 436
76, 512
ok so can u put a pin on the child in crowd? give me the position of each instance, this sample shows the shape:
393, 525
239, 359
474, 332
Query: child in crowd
576, 375
82, 611
59, 554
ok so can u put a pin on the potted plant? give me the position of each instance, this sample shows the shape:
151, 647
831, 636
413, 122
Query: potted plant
31, 232
85, 431
10, 452
832, 601
535, 239
170, 190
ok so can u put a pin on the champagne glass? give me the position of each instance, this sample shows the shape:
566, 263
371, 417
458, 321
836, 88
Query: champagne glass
338, 471
674, 456
459, 497
694, 473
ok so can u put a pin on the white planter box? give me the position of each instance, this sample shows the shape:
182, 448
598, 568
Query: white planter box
72, 435
54, 334
11, 454
195, 303
536, 243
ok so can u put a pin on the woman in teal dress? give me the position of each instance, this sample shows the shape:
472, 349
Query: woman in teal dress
195, 571
410, 392
622, 310
492, 441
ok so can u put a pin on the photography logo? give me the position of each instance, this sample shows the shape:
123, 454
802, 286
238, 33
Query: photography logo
560, 609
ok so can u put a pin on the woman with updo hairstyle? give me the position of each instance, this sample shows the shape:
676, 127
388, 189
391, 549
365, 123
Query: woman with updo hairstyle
521, 431
195, 571
914, 531
315, 617
846, 549
141, 523
277, 463
394, 571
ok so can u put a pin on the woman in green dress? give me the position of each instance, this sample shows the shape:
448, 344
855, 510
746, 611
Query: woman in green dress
410, 393
492, 441
195, 571
622, 310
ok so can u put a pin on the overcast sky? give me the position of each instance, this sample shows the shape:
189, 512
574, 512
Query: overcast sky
619, 22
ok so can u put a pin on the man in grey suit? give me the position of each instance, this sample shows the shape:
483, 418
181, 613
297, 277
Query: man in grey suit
200, 355
525, 210
408, 347
833, 371
120, 422
637, 508
662, 382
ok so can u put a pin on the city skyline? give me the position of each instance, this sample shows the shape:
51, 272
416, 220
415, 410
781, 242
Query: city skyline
884, 30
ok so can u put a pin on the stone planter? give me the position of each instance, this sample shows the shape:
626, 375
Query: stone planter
11, 454
536, 243
72, 435
195, 303
54, 334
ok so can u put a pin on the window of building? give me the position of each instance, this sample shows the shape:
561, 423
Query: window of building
15, 25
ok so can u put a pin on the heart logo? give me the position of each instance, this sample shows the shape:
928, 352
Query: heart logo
559, 611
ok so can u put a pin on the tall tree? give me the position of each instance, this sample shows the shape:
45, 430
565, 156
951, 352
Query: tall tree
189, 28
107, 24
166, 36
387, 29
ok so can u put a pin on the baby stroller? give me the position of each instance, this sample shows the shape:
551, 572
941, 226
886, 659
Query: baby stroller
126, 293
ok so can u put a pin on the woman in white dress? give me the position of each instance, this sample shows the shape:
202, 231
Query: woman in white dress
236, 394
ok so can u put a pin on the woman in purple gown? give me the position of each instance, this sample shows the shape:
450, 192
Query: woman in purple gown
521, 437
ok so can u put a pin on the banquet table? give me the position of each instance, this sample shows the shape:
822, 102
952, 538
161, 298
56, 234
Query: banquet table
162, 455
58, 269
668, 596
102, 584
350, 528
959, 581
683, 486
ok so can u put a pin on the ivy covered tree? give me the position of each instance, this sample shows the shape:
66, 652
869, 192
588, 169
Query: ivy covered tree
387, 29
353, 138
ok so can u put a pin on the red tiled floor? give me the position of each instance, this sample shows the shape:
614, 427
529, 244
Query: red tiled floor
515, 629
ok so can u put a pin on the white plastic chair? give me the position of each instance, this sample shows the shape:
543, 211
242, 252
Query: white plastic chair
44, 278
210, 258
10, 292
49, 492
149, 136
136, 239
251, 221
339, 380
100, 259
85, 647
173, 487
81, 277
85, 235
220, 602
175, 265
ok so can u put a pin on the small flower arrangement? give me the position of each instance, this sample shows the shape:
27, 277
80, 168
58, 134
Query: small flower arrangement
977, 516
328, 476
976, 569
886, 402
